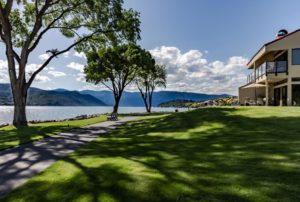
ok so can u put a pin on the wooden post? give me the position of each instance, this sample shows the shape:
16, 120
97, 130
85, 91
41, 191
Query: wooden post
281, 101
290, 92
267, 92
255, 98
254, 72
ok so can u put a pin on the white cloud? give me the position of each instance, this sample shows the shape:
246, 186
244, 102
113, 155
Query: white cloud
30, 68
3, 71
66, 54
3, 77
3, 65
191, 71
187, 71
41, 79
90, 86
80, 55
76, 66
44, 57
57, 73
80, 77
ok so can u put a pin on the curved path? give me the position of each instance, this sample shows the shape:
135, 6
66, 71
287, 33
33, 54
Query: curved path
19, 164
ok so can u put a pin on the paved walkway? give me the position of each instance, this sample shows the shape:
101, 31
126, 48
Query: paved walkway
19, 164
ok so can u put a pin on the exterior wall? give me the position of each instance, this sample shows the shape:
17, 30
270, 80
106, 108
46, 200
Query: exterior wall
249, 93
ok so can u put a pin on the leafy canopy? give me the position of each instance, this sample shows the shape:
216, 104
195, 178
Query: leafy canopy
115, 67
69, 17
150, 75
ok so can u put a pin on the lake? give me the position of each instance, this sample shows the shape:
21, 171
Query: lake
61, 113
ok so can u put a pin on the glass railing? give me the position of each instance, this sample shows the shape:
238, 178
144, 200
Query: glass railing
268, 68
251, 78
261, 71
277, 67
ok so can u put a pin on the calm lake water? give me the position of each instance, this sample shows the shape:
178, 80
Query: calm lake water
60, 113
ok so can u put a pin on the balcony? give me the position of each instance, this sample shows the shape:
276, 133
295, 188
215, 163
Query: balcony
277, 67
266, 68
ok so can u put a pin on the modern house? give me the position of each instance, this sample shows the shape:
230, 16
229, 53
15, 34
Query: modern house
275, 77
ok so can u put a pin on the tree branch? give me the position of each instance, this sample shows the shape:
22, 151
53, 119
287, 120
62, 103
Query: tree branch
42, 33
103, 83
55, 55
17, 57
6, 36
8, 6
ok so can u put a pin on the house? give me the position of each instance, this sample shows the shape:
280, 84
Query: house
275, 73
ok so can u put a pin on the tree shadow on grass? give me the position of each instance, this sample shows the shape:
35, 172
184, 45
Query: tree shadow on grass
14, 137
204, 155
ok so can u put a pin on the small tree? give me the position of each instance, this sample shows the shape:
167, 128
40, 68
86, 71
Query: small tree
150, 77
24, 23
114, 67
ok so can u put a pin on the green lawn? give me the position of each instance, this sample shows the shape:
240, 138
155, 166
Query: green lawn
12, 137
212, 154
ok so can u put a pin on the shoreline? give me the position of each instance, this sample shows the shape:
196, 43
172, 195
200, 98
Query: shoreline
85, 117
44, 114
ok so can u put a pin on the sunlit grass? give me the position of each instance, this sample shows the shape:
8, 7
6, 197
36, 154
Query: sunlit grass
12, 137
211, 154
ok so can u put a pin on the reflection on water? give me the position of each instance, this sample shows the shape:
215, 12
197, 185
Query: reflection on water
60, 113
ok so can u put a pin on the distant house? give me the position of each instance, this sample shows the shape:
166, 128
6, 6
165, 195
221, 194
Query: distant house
275, 77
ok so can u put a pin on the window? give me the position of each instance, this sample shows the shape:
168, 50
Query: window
296, 95
296, 79
296, 56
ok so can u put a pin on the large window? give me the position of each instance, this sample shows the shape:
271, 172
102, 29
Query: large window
296, 56
296, 95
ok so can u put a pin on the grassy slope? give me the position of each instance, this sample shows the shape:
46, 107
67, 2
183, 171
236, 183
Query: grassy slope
214, 154
12, 137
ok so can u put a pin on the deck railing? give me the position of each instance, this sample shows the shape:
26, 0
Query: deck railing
266, 68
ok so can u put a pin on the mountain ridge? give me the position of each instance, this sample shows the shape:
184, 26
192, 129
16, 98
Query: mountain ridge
134, 98
38, 97
63, 97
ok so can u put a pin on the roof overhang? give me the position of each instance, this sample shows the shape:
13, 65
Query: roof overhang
263, 51
258, 55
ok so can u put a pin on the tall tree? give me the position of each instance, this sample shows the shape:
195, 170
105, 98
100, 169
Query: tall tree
114, 67
150, 77
24, 23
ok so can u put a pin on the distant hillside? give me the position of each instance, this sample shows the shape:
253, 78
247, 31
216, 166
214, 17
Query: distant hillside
62, 97
134, 98
227, 101
37, 97
176, 103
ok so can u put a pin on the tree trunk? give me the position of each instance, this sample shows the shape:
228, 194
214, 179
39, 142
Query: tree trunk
116, 106
20, 97
145, 102
149, 110
150, 101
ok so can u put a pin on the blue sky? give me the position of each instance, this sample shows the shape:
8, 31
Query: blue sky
223, 27
205, 44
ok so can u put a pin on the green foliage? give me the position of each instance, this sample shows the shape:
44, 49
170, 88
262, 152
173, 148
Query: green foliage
103, 17
114, 66
149, 77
